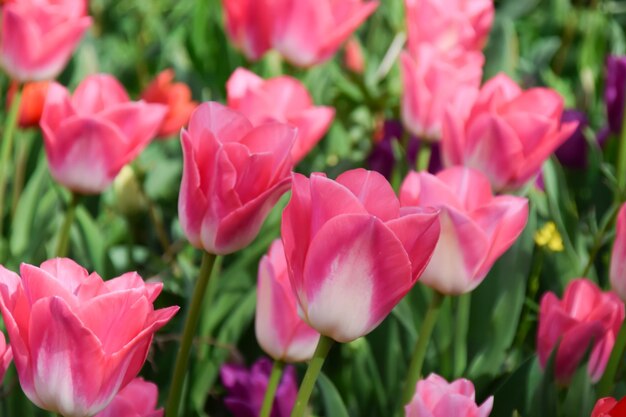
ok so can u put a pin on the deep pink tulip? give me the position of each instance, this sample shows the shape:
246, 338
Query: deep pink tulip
138, 399
39, 36
91, 135
476, 227
233, 174
617, 273
585, 316
509, 132
249, 25
352, 252
282, 99
6, 355
434, 81
76, 339
435, 397
449, 25
279, 330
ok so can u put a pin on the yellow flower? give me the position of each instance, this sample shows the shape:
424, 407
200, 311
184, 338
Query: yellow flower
549, 236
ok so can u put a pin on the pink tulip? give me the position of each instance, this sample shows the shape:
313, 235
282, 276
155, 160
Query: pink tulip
617, 273
509, 132
308, 32
352, 252
449, 24
435, 397
282, 99
249, 25
76, 339
6, 356
233, 174
280, 331
585, 316
432, 82
476, 227
90, 136
39, 36
353, 57
609, 407
138, 399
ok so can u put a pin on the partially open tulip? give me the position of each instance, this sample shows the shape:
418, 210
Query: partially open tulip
76, 339
91, 135
509, 132
31, 104
609, 407
434, 81
233, 174
279, 330
138, 399
249, 25
352, 252
476, 227
6, 355
617, 272
436, 397
177, 98
283, 99
39, 36
615, 92
585, 316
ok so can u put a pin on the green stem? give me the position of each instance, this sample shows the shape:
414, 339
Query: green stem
599, 238
272, 385
417, 359
621, 160
20, 170
460, 333
64, 234
312, 372
5, 152
159, 227
191, 322
423, 156
605, 386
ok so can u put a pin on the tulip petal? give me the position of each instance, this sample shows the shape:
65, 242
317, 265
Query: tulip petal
57, 108
241, 83
617, 272
225, 124
373, 191
312, 124
97, 93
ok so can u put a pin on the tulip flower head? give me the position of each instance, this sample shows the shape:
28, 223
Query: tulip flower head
352, 252
609, 407
138, 399
31, 105
476, 227
584, 316
76, 339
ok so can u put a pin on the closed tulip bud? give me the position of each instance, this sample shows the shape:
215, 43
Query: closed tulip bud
282, 99
76, 339
352, 252
31, 105
476, 227
508, 134
39, 36
91, 135
129, 196
138, 399
436, 397
615, 92
353, 57
585, 316
617, 272
233, 174
279, 330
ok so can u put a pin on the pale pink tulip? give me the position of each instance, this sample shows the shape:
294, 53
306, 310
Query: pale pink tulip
91, 135
76, 339
279, 330
282, 99
436, 397
617, 273
138, 399
249, 25
586, 316
476, 227
39, 36
434, 81
233, 174
6, 355
508, 134
352, 252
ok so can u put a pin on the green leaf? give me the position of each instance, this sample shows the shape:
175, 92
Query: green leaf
333, 404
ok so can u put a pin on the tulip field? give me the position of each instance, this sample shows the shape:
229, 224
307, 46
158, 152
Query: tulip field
312, 208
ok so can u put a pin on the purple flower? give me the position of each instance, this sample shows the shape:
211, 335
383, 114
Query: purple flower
614, 91
573, 152
246, 389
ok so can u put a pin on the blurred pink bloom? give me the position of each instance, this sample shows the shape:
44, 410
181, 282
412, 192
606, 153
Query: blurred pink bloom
233, 174
585, 316
283, 99
508, 134
434, 81
617, 273
352, 252
476, 227
6, 356
353, 56
435, 397
138, 399
249, 25
449, 25
91, 135
39, 36
177, 98
76, 339
279, 330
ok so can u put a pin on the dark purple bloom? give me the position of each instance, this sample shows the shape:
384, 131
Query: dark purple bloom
615, 91
573, 152
246, 389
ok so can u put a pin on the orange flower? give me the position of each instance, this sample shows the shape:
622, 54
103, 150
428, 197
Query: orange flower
31, 106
